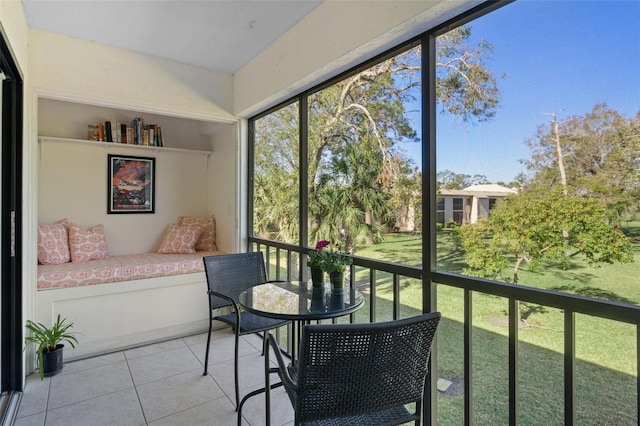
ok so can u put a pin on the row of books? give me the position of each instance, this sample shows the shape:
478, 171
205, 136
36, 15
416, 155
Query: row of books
136, 134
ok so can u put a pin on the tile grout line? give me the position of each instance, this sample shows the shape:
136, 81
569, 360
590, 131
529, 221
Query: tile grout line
46, 406
135, 388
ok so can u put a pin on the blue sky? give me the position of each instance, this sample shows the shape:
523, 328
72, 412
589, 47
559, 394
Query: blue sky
560, 57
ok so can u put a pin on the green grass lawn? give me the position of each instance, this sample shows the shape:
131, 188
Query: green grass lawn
606, 353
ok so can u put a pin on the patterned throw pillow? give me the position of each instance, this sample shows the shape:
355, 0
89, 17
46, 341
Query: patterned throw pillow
207, 240
66, 223
180, 239
87, 243
53, 244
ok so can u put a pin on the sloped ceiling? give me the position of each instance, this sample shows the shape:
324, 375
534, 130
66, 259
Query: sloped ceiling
221, 35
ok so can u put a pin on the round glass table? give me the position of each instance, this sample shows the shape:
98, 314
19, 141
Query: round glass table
299, 301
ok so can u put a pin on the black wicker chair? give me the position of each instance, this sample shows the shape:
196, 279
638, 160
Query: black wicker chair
227, 276
359, 374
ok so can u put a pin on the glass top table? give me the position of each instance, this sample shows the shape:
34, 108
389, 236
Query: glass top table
299, 301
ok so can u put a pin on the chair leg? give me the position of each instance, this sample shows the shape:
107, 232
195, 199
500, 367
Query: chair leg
206, 355
418, 411
235, 368
267, 378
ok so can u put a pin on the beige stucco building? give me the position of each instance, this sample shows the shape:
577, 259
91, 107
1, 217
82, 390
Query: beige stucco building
467, 205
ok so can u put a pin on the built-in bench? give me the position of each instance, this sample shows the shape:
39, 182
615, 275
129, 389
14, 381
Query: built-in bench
119, 268
124, 301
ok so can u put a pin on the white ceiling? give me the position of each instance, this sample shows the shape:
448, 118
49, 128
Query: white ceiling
222, 35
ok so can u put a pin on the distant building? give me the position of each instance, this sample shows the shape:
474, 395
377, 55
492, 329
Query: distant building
467, 205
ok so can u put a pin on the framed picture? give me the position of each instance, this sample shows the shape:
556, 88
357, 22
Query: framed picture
131, 184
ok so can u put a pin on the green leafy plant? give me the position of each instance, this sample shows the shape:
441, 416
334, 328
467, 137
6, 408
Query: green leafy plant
328, 260
48, 338
336, 261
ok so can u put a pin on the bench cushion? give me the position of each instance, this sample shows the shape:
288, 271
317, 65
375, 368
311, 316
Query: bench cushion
119, 268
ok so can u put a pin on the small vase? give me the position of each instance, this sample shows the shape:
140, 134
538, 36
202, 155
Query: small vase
317, 277
337, 280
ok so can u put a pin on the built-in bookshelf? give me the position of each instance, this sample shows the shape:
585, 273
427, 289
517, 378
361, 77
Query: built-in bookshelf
117, 146
69, 121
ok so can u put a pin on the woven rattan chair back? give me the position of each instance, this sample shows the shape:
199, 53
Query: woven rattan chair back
345, 370
231, 274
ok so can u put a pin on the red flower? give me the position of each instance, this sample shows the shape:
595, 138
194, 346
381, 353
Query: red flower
322, 244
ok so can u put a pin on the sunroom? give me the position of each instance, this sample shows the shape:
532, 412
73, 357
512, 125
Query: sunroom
344, 129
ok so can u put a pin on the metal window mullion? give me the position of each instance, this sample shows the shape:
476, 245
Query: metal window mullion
303, 179
251, 169
429, 258
468, 357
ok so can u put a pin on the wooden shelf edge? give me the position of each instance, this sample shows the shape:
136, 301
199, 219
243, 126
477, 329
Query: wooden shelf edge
42, 139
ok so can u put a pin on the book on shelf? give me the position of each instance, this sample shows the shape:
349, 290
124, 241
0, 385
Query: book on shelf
156, 135
136, 134
123, 133
130, 139
109, 131
138, 127
160, 137
150, 130
145, 137
92, 132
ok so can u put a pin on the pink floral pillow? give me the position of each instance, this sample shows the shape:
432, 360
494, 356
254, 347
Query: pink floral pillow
87, 243
207, 240
180, 239
66, 223
53, 244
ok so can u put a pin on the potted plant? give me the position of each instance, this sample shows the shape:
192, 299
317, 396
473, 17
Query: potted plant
316, 262
334, 264
49, 342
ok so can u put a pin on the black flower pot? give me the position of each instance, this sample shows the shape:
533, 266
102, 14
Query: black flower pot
337, 281
52, 361
317, 277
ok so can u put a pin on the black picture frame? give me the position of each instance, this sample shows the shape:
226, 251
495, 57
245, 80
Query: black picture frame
131, 184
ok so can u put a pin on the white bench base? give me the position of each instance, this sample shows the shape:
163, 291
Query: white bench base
113, 316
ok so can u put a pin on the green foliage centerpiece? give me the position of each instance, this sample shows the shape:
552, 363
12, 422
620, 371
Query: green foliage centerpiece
316, 262
331, 261
335, 263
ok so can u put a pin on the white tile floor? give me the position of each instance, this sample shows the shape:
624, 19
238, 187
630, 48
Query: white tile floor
157, 385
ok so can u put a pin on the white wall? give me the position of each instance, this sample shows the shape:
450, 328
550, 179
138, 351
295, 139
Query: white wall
76, 86
13, 25
226, 195
91, 72
73, 184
